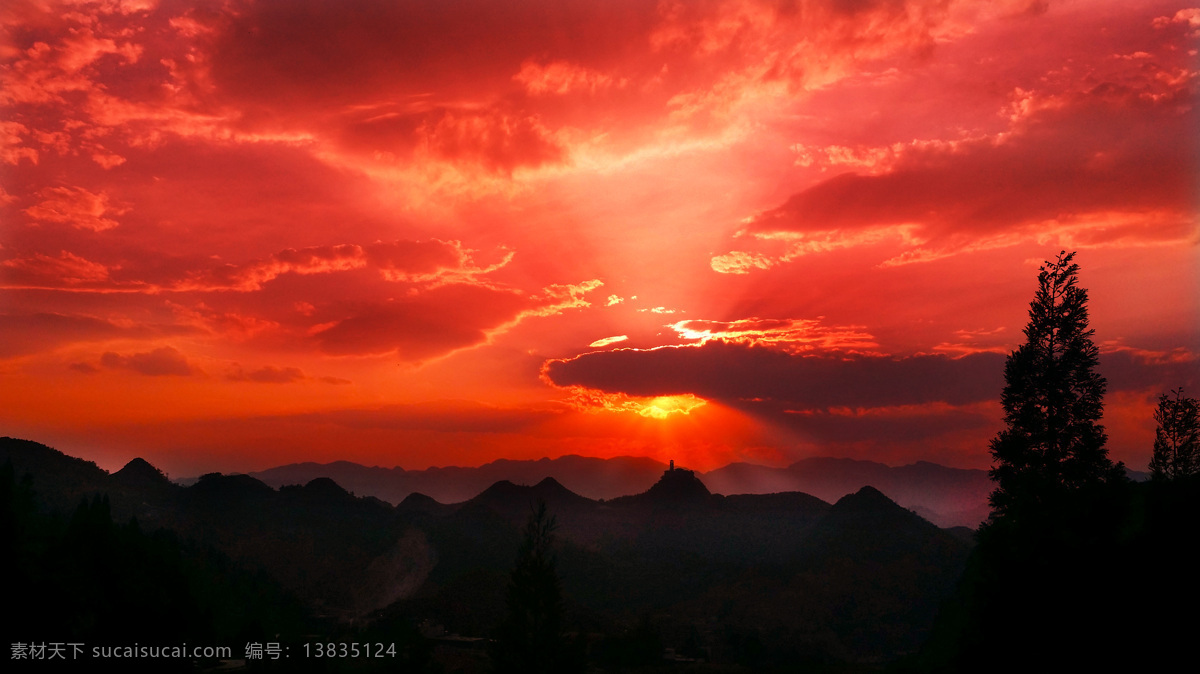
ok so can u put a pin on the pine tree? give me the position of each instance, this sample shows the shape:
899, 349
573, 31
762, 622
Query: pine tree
530, 640
1053, 400
1177, 438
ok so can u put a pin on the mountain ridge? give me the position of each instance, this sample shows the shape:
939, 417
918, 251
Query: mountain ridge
779, 563
943, 495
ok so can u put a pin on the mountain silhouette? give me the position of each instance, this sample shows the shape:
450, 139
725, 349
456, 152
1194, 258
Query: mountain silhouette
868, 522
946, 496
943, 495
506, 496
590, 477
420, 504
63, 480
865, 500
230, 488
805, 580
324, 489
138, 473
675, 485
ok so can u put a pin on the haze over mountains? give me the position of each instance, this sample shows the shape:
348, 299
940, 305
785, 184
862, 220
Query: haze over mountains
945, 496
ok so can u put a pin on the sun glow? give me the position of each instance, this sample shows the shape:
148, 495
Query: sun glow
661, 407
656, 407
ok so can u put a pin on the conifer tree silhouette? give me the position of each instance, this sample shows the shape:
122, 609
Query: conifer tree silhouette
1177, 438
1053, 400
531, 640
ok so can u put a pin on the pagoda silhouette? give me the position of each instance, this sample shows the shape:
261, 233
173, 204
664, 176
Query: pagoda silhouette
678, 484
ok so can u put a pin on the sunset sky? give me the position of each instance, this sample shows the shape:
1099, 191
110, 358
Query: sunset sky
238, 234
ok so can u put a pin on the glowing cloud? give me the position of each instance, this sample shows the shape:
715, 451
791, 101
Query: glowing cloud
607, 341
790, 335
652, 407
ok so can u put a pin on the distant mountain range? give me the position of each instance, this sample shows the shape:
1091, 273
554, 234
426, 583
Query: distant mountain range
945, 496
753, 579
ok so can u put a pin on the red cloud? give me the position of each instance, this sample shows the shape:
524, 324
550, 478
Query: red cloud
1114, 161
81, 48
728, 372
441, 320
425, 262
24, 333
790, 335
758, 377
411, 261
268, 374
427, 325
160, 362
29, 333
77, 207
314, 52
450, 416
11, 150
561, 77
41, 271
497, 140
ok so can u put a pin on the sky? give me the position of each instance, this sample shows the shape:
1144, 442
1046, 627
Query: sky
238, 234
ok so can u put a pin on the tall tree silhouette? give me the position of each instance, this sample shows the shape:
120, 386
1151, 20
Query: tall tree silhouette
1053, 400
530, 639
1177, 438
